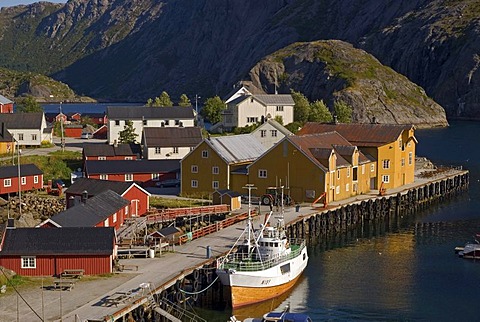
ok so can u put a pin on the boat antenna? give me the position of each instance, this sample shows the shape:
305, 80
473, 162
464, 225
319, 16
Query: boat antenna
249, 186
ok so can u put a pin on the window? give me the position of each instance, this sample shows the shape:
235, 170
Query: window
410, 158
386, 178
167, 122
128, 158
400, 143
155, 176
215, 185
104, 177
35, 179
338, 174
102, 158
262, 173
194, 168
175, 150
273, 133
158, 150
126, 210
117, 122
347, 187
34, 137
372, 167
252, 119
403, 162
145, 122
194, 184
114, 218
337, 190
348, 172
177, 122
29, 262
215, 170
279, 108
24, 181
20, 136
205, 154
128, 177
105, 223
7, 182
363, 168
386, 164
263, 133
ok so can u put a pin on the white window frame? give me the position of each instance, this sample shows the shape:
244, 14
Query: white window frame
105, 223
34, 137
194, 183
117, 122
215, 170
126, 210
402, 162
102, 158
35, 179
104, 177
28, 262
205, 154
274, 133
262, 173
337, 190
263, 133
175, 150
386, 163
386, 178
372, 167
194, 168
338, 174
347, 187
128, 177
410, 158
7, 182
215, 184
114, 218
279, 108
155, 176
158, 150
24, 181
128, 158
363, 168
20, 136
348, 173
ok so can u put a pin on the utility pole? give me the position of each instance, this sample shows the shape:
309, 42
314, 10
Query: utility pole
196, 107
62, 142
19, 182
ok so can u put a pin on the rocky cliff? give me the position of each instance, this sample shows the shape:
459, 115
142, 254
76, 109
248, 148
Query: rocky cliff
134, 49
334, 70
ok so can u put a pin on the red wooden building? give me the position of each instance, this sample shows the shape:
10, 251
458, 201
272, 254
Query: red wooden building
146, 172
73, 130
31, 178
101, 133
138, 197
107, 152
51, 251
107, 209
6, 105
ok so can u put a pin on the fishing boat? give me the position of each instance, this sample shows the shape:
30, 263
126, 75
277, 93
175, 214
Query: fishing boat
470, 250
265, 264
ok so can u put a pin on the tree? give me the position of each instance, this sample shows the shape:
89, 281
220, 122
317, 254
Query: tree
28, 105
301, 109
164, 100
279, 119
212, 109
319, 112
149, 102
343, 112
184, 101
293, 127
128, 134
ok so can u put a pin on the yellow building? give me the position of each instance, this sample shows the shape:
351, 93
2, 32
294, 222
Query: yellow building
391, 145
7, 144
310, 165
210, 165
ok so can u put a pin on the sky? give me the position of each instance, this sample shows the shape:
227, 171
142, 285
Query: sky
9, 3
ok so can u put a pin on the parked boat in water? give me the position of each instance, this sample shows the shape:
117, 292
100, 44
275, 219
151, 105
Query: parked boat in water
470, 250
278, 316
265, 265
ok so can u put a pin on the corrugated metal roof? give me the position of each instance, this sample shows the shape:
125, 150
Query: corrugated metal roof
237, 148
92, 211
25, 170
139, 112
4, 100
53, 241
172, 136
22, 120
276, 99
131, 166
359, 134
95, 186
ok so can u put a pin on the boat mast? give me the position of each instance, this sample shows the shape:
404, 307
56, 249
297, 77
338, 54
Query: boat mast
249, 186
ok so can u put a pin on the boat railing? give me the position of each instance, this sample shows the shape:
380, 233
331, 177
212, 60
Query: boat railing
244, 262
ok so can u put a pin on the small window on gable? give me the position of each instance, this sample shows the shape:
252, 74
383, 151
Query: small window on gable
194, 168
205, 154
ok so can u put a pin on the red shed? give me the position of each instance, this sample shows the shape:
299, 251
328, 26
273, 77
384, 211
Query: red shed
73, 130
6, 105
50, 251
31, 178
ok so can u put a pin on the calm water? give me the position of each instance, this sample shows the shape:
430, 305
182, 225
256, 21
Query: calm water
404, 273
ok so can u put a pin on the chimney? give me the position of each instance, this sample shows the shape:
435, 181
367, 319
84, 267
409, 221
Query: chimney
10, 223
84, 196
374, 120
335, 120
71, 202
115, 143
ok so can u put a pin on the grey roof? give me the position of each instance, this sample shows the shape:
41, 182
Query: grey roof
101, 149
5, 136
167, 231
95, 186
4, 100
282, 129
92, 211
275, 99
237, 148
131, 166
172, 136
25, 170
59, 241
139, 112
22, 120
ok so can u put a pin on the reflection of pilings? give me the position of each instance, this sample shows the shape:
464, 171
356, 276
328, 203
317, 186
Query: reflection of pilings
387, 209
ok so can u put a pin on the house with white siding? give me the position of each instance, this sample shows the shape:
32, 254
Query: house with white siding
28, 129
163, 143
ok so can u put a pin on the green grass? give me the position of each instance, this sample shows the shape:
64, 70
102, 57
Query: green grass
159, 202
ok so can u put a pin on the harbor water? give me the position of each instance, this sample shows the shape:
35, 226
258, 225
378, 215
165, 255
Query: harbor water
401, 273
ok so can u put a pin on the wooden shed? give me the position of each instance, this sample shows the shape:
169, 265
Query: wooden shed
228, 197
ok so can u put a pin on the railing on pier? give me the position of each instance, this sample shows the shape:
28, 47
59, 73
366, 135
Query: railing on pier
156, 216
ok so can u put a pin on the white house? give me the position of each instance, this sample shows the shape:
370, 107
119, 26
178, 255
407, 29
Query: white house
270, 133
251, 109
28, 129
169, 142
143, 117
